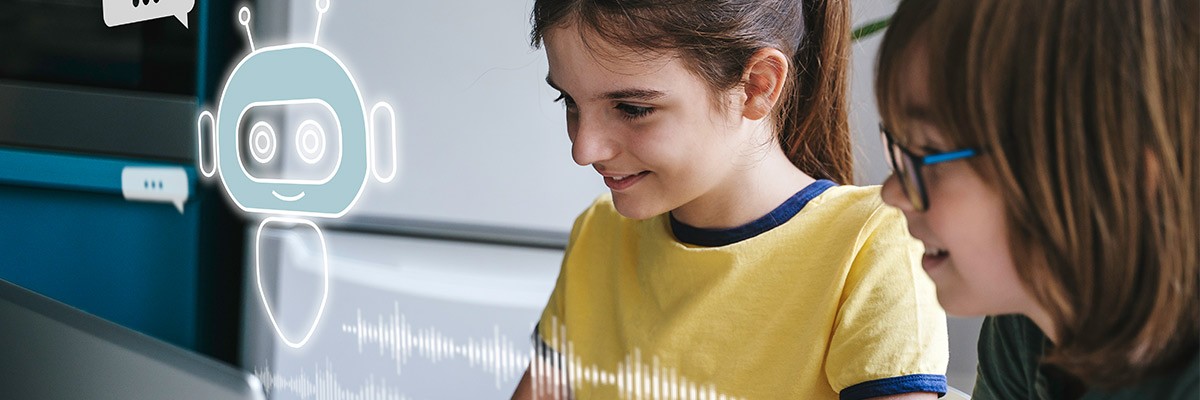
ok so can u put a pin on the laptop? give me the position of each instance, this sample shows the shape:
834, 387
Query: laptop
49, 350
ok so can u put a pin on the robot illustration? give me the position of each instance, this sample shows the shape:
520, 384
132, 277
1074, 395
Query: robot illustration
309, 77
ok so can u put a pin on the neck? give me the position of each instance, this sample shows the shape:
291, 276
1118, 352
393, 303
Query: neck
746, 195
1042, 319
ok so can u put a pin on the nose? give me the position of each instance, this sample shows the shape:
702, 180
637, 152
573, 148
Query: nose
590, 143
893, 195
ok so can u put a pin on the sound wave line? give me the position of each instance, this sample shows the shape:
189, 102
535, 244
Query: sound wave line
323, 385
396, 338
555, 370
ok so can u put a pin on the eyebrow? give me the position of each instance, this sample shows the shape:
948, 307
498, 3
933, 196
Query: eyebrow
924, 114
622, 94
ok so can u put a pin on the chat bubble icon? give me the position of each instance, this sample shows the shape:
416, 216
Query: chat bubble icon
121, 12
155, 184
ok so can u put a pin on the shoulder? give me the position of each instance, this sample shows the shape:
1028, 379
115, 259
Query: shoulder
1012, 334
850, 198
855, 220
1183, 384
859, 207
852, 227
1010, 347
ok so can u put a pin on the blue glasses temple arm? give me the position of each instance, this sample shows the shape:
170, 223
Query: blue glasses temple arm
948, 156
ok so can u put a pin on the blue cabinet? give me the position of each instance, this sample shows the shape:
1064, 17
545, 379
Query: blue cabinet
66, 231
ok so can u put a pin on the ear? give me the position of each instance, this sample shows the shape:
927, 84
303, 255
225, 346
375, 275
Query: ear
763, 82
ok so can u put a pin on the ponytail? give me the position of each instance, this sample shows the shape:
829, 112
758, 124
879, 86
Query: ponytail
815, 132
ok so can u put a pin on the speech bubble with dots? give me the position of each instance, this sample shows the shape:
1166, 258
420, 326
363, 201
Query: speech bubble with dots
121, 12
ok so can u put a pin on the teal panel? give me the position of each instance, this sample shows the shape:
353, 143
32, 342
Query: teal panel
67, 232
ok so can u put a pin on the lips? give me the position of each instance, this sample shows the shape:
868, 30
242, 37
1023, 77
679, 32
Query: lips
619, 182
934, 257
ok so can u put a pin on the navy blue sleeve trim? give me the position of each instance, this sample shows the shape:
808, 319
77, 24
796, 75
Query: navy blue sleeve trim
917, 383
541, 347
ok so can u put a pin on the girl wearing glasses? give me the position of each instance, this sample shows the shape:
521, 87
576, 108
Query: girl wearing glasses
726, 261
1046, 153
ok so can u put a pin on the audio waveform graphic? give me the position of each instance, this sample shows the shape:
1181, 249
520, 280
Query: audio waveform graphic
323, 384
633, 378
396, 338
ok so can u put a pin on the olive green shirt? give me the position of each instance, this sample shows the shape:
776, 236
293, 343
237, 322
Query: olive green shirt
1010, 347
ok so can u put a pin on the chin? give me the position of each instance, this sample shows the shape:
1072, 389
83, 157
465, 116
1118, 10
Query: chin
957, 303
632, 209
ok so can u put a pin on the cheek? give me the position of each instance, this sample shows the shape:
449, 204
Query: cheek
981, 256
686, 139
981, 284
972, 234
982, 279
674, 149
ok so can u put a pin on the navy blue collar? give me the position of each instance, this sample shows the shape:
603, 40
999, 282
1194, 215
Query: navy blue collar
720, 237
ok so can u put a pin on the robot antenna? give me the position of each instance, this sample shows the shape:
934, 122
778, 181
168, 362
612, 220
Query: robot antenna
244, 19
322, 7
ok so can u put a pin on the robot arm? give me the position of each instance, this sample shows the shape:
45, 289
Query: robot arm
374, 140
206, 144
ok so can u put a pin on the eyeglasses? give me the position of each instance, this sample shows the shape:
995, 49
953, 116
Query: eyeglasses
907, 166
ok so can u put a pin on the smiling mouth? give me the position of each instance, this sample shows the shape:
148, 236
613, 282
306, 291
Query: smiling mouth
287, 198
619, 183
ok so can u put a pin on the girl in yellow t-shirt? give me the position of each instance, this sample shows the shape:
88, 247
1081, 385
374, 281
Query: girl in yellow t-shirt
727, 262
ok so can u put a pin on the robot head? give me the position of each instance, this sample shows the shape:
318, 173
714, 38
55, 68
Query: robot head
335, 140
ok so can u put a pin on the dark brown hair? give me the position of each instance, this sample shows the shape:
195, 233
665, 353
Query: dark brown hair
716, 38
1086, 111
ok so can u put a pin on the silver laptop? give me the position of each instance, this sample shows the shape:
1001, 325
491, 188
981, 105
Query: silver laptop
49, 350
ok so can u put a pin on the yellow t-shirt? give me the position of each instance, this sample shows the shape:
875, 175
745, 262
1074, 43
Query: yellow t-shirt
831, 300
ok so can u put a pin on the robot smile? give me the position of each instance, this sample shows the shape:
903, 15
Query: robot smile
288, 198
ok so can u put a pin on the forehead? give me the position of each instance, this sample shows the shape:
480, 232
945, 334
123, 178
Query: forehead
914, 70
906, 104
582, 61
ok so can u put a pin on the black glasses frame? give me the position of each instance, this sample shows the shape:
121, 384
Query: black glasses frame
908, 165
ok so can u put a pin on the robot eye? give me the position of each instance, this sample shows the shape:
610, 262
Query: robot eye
263, 142
310, 141
290, 142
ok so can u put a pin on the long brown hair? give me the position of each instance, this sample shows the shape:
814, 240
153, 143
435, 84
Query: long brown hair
716, 38
1087, 113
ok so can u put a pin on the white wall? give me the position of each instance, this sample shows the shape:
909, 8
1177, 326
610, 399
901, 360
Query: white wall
864, 117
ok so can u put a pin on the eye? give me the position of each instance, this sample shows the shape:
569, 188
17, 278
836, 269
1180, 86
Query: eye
630, 112
927, 150
310, 141
566, 100
262, 142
